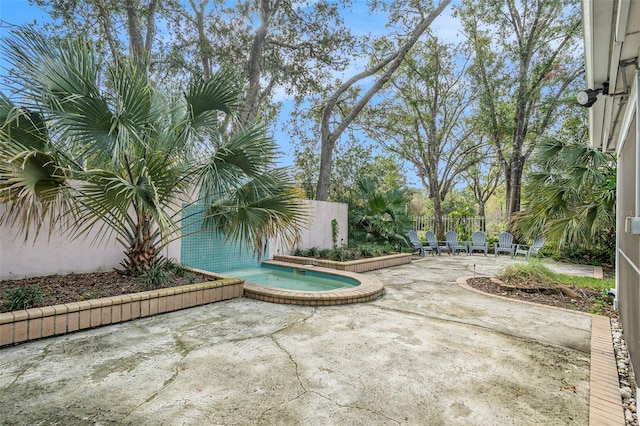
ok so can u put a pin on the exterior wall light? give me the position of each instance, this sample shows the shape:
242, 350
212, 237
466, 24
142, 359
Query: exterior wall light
588, 97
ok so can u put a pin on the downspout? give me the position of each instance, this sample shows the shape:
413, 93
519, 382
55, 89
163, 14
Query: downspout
637, 140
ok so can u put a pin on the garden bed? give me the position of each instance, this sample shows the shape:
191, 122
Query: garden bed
358, 266
70, 316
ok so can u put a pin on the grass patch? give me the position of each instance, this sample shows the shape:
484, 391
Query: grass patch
535, 277
535, 271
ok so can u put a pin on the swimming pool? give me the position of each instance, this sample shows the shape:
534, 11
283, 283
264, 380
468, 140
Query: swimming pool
294, 278
282, 282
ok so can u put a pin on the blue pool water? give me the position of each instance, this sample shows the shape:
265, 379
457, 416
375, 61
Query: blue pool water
293, 278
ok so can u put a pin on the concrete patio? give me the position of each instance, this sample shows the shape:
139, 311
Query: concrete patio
427, 352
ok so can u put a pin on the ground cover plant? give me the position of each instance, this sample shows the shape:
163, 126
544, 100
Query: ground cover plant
341, 254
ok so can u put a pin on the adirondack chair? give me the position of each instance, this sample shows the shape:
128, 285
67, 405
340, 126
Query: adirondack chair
432, 243
528, 250
479, 243
452, 243
415, 242
504, 244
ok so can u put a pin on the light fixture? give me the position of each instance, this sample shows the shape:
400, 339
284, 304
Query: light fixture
588, 97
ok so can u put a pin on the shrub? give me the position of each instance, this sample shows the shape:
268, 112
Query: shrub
155, 277
174, 267
313, 252
586, 256
532, 272
325, 253
23, 297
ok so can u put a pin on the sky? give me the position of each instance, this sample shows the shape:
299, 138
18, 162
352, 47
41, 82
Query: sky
20, 12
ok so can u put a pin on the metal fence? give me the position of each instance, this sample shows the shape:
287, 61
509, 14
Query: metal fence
463, 225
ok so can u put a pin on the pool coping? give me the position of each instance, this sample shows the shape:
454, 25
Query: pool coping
605, 402
370, 288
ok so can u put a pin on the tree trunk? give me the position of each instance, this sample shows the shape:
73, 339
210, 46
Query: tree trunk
136, 45
437, 211
204, 45
482, 215
255, 63
105, 19
143, 253
392, 63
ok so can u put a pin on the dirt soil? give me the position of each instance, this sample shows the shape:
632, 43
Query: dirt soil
579, 299
58, 289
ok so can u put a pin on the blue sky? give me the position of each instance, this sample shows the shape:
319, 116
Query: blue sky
19, 12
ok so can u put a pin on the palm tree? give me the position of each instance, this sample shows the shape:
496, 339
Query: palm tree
380, 216
572, 195
84, 151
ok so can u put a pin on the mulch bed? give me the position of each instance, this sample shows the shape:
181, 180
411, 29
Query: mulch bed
58, 289
581, 300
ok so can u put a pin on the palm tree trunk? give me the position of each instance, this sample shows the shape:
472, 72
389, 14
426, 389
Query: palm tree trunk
143, 253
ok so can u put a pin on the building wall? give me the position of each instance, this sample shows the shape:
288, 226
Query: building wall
628, 256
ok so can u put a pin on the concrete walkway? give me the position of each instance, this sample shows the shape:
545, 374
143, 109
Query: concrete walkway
427, 352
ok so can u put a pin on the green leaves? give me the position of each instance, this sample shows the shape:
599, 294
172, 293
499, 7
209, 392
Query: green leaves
571, 195
119, 158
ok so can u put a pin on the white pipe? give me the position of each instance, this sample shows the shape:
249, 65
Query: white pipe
637, 140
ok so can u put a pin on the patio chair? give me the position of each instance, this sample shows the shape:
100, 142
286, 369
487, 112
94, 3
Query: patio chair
479, 243
432, 243
415, 243
534, 248
504, 244
452, 243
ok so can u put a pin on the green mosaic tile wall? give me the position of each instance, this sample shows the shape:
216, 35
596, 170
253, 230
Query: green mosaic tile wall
208, 250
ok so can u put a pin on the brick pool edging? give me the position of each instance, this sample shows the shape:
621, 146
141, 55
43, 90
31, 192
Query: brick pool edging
358, 266
370, 288
605, 402
31, 324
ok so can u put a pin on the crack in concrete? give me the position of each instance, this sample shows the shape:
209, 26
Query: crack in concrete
299, 379
453, 319
380, 413
185, 350
36, 360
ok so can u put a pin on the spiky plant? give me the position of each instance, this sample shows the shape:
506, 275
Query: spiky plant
83, 149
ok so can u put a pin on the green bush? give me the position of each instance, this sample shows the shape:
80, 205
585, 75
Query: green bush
155, 277
584, 255
325, 253
338, 255
175, 268
23, 297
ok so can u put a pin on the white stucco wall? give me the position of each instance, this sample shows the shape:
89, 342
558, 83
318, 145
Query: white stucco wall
318, 233
55, 255
58, 255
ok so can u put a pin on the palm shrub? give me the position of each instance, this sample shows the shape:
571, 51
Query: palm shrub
86, 148
379, 216
571, 196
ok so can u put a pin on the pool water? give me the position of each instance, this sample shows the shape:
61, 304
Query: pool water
293, 278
